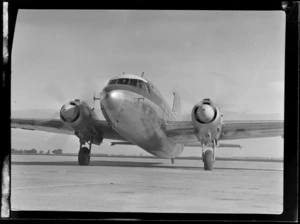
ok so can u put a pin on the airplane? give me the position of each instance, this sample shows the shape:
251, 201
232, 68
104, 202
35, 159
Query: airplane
136, 114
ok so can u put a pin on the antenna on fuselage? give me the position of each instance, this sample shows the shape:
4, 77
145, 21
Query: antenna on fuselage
142, 74
96, 96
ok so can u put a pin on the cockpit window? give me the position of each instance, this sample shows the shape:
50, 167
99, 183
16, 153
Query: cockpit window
146, 87
123, 81
114, 81
142, 85
133, 82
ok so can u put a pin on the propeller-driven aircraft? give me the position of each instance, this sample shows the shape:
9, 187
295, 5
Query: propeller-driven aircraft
136, 114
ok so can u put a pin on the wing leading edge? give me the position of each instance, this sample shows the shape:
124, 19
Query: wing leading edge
184, 132
100, 129
251, 129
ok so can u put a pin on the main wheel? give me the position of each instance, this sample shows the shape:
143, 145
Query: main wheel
84, 156
208, 160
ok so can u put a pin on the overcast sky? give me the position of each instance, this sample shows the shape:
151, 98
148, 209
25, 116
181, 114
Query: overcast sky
234, 58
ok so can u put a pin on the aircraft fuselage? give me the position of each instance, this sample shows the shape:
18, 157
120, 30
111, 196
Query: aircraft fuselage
138, 115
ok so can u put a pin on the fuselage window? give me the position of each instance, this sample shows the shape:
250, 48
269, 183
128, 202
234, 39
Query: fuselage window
133, 82
123, 81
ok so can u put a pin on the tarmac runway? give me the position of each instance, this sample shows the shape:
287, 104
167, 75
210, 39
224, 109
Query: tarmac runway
114, 184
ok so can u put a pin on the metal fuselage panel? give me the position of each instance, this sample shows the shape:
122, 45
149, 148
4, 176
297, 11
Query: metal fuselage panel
138, 116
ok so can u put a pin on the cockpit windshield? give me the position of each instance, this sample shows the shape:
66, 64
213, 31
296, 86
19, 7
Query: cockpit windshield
123, 81
133, 82
113, 81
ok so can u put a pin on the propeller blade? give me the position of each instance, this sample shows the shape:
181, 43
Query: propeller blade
54, 91
89, 89
220, 89
59, 141
223, 90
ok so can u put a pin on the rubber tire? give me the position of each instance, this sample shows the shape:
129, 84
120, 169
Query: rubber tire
208, 160
84, 156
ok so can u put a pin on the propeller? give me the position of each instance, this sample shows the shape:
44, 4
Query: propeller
218, 88
224, 92
54, 91
89, 88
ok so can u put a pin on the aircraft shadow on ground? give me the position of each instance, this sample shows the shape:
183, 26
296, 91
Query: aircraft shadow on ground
131, 164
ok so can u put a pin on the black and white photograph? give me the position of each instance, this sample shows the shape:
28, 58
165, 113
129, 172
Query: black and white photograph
152, 111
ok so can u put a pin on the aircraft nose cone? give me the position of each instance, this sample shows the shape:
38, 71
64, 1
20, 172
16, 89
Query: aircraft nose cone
113, 100
205, 113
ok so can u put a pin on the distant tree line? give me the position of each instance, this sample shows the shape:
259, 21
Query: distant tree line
35, 152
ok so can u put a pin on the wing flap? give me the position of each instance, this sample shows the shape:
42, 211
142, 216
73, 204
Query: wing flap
221, 145
121, 143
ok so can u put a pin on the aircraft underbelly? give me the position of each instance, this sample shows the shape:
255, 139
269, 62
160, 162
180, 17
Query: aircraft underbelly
139, 121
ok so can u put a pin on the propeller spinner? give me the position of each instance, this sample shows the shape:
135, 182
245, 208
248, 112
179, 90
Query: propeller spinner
69, 112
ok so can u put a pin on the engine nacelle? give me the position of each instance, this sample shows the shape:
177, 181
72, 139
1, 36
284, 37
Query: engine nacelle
76, 113
207, 119
205, 112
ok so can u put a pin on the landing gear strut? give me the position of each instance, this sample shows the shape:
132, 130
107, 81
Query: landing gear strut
84, 154
209, 156
173, 160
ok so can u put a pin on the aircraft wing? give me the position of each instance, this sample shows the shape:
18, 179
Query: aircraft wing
99, 129
251, 129
184, 132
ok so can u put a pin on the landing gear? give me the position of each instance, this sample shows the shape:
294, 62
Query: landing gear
173, 160
208, 160
84, 153
209, 156
84, 156
214, 146
203, 152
